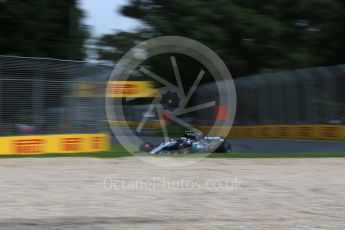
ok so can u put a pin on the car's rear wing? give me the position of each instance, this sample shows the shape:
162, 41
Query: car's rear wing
213, 138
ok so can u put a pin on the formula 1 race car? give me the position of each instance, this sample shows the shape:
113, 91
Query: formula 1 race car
189, 143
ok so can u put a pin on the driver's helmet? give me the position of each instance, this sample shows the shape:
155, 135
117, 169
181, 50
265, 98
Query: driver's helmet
189, 136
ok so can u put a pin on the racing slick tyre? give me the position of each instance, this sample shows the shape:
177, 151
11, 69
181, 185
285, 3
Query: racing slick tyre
146, 147
184, 150
224, 147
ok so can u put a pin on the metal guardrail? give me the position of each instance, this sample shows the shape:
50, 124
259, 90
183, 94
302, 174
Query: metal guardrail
37, 96
302, 96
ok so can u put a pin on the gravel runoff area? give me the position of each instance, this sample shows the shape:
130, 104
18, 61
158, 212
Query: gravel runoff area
126, 193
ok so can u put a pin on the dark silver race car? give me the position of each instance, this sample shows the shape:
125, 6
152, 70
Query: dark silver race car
189, 143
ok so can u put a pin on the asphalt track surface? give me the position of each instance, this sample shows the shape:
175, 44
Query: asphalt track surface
275, 145
287, 146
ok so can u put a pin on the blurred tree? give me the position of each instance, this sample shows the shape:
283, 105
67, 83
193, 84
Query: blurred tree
251, 36
42, 28
332, 44
123, 40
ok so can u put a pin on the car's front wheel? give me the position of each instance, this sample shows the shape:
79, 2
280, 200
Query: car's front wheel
146, 147
184, 150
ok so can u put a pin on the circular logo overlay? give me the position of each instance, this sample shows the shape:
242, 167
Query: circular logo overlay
171, 95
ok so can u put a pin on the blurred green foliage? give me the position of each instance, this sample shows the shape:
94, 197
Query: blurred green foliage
251, 36
42, 28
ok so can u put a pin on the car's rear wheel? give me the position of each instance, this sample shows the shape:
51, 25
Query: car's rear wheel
224, 147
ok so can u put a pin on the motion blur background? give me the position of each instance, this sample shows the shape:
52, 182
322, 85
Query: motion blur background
287, 59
